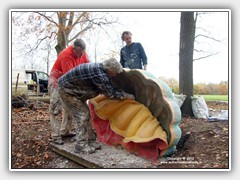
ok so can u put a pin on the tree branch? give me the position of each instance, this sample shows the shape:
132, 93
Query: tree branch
202, 35
47, 18
39, 41
80, 32
91, 22
203, 57
78, 18
70, 21
69, 26
195, 20
199, 51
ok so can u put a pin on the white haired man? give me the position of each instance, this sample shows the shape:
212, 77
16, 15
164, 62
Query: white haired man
85, 82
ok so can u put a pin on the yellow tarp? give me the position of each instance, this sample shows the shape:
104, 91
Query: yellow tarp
130, 119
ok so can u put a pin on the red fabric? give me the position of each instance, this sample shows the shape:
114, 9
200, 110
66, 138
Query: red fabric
105, 134
66, 60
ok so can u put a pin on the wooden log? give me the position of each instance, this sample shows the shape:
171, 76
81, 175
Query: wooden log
106, 157
40, 98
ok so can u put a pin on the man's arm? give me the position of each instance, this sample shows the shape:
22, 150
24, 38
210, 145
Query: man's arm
143, 56
86, 58
111, 92
145, 66
121, 58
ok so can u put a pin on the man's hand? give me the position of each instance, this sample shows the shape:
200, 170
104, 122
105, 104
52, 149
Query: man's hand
145, 67
129, 96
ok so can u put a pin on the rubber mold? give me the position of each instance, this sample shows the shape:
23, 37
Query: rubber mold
149, 126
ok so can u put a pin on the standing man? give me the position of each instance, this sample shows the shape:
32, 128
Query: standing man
85, 82
132, 55
67, 59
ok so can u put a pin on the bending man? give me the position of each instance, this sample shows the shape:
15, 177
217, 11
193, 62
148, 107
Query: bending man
85, 82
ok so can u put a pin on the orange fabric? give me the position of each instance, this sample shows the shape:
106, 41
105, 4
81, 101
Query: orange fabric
66, 60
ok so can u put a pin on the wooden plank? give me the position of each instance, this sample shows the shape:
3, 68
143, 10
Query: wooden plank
107, 157
40, 98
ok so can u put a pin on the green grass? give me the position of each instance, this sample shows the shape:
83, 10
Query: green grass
214, 97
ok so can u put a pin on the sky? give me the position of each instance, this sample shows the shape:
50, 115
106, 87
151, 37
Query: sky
159, 34
162, 48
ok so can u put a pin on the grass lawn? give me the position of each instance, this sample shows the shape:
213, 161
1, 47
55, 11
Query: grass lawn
215, 97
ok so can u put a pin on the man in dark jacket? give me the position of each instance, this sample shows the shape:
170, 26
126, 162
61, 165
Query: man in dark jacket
84, 82
132, 55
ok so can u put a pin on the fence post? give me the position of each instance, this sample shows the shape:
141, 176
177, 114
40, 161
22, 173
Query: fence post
16, 84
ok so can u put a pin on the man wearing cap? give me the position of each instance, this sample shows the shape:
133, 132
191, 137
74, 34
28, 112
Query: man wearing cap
84, 82
67, 59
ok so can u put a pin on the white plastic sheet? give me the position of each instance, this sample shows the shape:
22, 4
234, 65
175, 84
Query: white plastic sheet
179, 99
199, 107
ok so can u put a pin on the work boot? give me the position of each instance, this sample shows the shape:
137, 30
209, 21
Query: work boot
95, 144
58, 141
84, 147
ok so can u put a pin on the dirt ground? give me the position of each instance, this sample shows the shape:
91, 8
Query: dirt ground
203, 145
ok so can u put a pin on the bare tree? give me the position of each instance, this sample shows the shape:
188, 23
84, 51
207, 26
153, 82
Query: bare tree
117, 44
60, 27
71, 25
204, 36
48, 58
187, 35
94, 43
189, 52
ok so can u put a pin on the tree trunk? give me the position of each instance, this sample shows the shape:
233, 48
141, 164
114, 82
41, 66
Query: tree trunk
187, 34
61, 42
61, 36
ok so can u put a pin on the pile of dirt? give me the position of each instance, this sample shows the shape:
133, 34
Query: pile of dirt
203, 145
